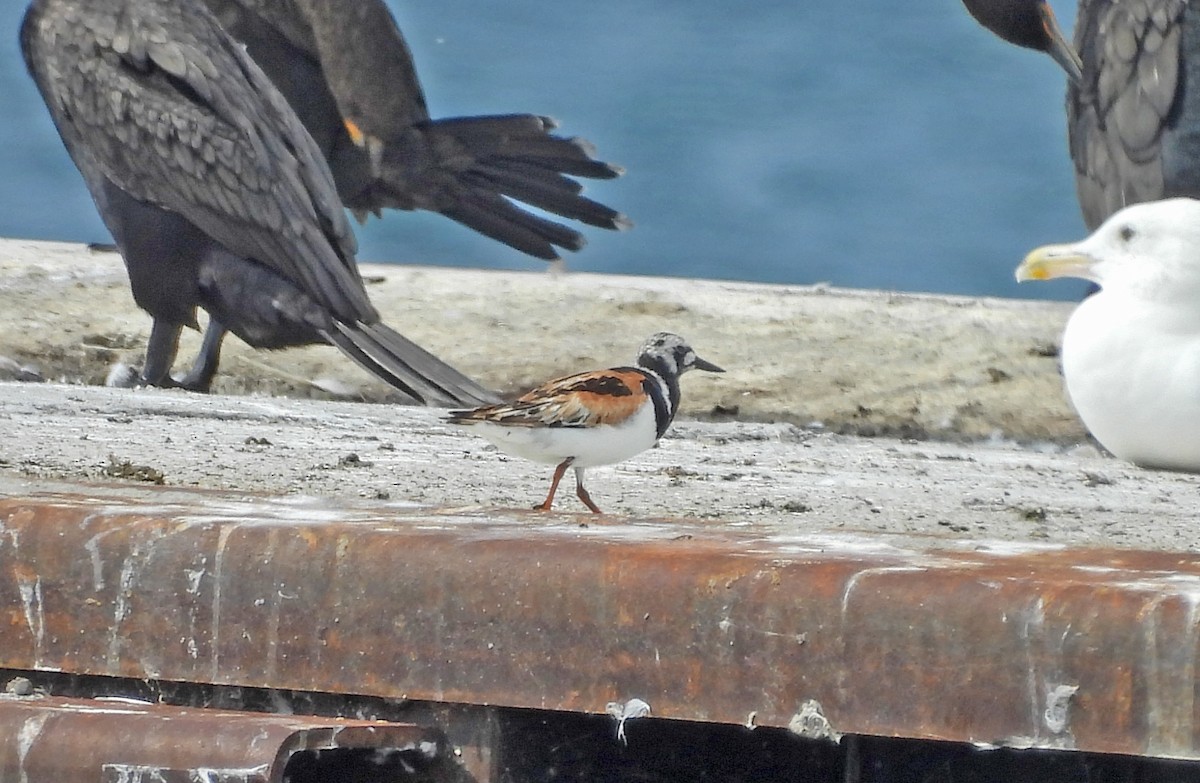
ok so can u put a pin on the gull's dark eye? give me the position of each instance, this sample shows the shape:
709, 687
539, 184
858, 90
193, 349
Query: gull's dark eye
1127, 233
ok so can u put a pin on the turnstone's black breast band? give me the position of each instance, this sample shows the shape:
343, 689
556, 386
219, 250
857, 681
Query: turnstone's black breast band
664, 412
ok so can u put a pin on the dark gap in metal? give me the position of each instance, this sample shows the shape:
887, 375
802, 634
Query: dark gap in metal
358, 765
540, 746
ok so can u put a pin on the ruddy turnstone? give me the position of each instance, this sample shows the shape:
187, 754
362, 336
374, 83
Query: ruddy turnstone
591, 418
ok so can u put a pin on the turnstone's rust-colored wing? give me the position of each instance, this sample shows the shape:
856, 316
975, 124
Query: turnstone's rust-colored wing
588, 399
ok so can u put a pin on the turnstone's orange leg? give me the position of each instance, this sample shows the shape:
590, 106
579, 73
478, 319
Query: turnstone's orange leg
583, 493
558, 474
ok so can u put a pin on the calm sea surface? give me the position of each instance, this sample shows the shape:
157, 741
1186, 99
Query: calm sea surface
886, 144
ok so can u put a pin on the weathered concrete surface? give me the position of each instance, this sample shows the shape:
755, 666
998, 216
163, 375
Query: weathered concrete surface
861, 362
734, 473
858, 361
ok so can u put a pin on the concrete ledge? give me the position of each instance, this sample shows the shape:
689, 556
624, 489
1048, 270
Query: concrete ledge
734, 473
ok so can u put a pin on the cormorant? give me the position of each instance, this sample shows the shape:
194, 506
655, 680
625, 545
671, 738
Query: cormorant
345, 68
1028, 23
1133, 106
216, 195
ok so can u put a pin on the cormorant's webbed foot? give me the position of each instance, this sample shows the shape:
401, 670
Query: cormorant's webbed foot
160, 354
163, 346
200, 377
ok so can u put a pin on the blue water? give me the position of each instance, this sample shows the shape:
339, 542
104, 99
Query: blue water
886, 144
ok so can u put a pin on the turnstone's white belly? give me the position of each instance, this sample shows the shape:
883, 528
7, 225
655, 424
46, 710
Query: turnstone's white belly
603, 444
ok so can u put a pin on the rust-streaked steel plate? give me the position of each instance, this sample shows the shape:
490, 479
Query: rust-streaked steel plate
89, 740
704, 620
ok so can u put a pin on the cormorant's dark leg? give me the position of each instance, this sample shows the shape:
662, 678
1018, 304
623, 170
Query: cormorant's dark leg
160, 353
583, 493
558, 474
204, 369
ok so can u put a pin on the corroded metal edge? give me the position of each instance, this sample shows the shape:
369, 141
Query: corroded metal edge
46, 738
997, 644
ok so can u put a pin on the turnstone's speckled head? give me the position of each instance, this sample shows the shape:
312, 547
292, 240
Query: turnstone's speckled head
669, 354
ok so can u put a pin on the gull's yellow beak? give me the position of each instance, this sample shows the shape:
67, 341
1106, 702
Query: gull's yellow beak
1051, 261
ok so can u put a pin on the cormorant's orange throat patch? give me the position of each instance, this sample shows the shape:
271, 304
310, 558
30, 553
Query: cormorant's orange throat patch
356, 134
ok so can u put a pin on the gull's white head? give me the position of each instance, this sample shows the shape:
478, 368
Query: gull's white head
1150, 251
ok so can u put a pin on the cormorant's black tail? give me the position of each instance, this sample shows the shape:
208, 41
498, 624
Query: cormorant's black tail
392, 357
483, 165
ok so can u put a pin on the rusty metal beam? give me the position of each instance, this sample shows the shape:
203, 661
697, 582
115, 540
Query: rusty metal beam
1005, 644
122, 741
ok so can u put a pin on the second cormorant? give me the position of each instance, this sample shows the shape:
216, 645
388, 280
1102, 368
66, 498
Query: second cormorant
346, 69
1133, 102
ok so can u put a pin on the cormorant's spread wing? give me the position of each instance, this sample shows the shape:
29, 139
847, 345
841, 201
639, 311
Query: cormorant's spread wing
282, 16
154, 96
375, 80
347, 71
1118, 116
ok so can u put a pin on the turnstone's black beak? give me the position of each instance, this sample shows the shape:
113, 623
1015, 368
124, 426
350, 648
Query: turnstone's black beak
700, 364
